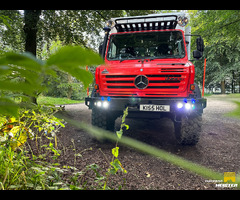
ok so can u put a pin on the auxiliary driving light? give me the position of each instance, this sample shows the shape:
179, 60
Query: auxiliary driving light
193, 107
182, 21
188, 106
110, 23
105, 104
179, 105
99, 104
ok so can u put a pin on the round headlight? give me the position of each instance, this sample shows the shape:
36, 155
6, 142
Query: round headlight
182, 21
110, 23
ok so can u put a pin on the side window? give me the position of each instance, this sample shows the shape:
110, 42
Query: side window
180, 47
112, 51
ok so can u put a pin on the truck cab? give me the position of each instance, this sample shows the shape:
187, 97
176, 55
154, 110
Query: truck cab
147, 69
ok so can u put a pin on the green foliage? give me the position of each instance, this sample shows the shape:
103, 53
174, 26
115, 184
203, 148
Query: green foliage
19, 172
216, 24
8, 106
15, 65
233, 98
115, 164
5, 20
235, 113
19, 168
30, 123
220, 30
22, 72
79, 27
11, 38
22, 168
74, 59
120, 132
222, 58
115, 151
21, 75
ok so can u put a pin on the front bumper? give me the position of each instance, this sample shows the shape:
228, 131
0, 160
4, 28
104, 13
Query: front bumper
120, 103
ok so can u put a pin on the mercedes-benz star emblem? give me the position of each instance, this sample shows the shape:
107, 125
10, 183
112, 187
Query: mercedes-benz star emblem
141, 82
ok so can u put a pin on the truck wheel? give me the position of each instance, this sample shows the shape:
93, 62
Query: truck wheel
187, 129
103, 119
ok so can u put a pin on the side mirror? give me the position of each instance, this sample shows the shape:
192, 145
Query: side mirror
200, 44
197, 54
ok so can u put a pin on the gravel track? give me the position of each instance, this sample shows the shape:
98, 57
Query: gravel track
218, 149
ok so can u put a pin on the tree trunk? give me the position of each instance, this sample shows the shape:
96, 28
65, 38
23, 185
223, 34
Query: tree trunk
70, 90
223, 87
31, 18
239, 83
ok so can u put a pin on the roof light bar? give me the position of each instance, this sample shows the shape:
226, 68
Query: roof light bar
149, 22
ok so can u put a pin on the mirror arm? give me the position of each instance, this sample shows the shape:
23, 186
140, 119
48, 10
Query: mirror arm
192, 35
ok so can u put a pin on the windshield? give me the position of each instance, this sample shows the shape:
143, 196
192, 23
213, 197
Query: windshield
151, 45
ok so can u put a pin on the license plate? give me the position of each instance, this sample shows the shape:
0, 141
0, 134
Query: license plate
157, 108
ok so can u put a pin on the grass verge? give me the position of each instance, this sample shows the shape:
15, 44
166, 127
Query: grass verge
56, 101
235, 113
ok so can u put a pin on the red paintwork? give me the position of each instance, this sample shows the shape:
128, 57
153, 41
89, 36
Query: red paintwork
183, 70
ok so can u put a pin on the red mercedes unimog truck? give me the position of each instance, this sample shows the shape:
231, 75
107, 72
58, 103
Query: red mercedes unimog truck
147, 69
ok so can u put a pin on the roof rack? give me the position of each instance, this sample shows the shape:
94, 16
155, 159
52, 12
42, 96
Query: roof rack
149, 22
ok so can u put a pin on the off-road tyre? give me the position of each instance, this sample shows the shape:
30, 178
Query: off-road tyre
188, 129
103, 119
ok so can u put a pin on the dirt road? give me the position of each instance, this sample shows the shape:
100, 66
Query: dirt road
217, 149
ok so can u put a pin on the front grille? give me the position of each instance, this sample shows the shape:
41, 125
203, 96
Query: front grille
155, 81
161, 87
172, 70
168, 76
119, 81
119, 87
165, 82
120, 76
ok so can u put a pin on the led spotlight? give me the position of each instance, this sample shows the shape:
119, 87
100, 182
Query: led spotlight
99, 104
105, 104
182, 21
110, 23
179, 105
187, 106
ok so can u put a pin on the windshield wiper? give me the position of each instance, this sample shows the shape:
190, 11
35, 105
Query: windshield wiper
160, 57
122, 60
128, 58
